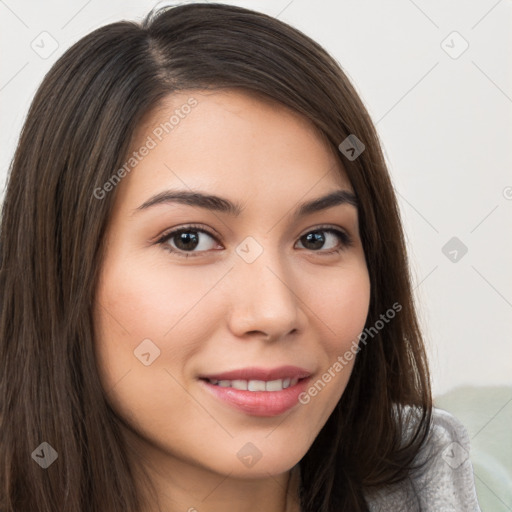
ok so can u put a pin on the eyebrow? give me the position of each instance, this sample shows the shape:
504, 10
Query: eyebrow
219, 204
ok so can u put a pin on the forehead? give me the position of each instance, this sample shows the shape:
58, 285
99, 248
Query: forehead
235, 142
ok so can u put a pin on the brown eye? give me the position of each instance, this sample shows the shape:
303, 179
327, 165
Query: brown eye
316, 240
185, 240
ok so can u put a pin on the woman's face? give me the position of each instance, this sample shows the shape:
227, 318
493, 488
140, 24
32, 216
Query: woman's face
268, 288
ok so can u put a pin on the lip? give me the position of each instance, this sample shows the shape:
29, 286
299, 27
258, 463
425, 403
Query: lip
259, 403
256, 373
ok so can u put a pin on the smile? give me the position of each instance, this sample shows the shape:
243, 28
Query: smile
255, 385
258, 391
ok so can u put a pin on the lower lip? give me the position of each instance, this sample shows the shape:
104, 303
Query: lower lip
259, 403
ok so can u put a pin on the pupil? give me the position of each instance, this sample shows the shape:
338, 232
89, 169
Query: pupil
185, 238
318, 239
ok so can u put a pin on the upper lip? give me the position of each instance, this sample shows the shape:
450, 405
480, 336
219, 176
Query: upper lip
266, 374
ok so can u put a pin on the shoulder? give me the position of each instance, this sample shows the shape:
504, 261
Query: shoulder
446, 481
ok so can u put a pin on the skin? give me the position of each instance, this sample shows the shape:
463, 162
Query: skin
215, 312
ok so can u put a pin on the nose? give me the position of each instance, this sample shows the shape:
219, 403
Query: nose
263, 298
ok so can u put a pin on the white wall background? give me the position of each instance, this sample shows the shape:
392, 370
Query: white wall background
445, 123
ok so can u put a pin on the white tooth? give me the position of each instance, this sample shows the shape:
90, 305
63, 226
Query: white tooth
224, 383
294, 381
274, 385
239, 384
213, 381
286, 383
256, 385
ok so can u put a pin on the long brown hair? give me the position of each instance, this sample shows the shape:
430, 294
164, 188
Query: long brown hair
77, 133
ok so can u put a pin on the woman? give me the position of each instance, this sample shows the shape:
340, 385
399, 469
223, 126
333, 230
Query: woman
206, 302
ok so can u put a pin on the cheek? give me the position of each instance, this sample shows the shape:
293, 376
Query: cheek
139, 300
140, 317
342, 304
147, 298
342, 309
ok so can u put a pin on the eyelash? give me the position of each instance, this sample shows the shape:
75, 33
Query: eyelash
345, 239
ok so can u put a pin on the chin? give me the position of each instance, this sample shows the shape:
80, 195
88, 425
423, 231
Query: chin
253, 459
